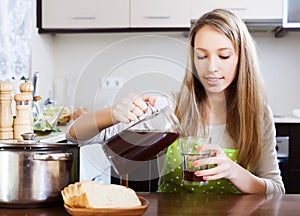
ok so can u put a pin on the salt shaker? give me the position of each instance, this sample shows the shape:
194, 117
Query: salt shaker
6, 117
23, 122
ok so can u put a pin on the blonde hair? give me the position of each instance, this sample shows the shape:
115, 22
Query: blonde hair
245, 98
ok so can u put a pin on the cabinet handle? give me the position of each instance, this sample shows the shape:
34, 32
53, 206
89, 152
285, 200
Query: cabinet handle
157, 17
236, 9
83, 18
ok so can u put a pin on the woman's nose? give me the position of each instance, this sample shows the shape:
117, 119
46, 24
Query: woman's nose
212, 65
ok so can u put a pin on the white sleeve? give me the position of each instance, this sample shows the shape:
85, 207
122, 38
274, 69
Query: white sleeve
103, 135
100, 137
268, 168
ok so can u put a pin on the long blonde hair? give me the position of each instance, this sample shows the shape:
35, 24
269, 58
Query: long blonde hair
245, 99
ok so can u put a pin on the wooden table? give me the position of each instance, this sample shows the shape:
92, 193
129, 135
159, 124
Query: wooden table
215, 204
169, 204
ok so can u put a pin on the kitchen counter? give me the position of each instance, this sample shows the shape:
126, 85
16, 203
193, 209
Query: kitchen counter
55, 137
196, 204
286, 119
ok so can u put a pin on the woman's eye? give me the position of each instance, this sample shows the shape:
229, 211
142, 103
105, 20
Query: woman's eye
201, 57
224, 57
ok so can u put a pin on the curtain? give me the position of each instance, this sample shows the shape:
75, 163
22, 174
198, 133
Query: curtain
15, 31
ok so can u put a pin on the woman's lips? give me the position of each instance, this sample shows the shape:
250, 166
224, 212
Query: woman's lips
213, 80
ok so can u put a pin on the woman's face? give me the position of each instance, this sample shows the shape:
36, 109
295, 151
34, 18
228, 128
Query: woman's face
215, 59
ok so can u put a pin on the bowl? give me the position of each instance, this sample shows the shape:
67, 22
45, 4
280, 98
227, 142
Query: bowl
65, 116
43, 132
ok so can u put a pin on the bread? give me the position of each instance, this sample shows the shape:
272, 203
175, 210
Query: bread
89, 194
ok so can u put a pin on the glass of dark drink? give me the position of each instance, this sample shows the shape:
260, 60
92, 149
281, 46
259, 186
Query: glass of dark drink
190, 153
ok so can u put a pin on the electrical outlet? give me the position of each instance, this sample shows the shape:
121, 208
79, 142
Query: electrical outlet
112, 82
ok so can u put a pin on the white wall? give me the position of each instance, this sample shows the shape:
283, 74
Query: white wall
81, 61
142, 61
280, 64
42, 58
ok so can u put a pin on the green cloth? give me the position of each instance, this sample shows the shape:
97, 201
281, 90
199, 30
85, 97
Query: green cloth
171, 180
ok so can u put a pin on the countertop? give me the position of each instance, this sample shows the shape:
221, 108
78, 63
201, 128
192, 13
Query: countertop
286, 119
55, 137
217, 204
196, 204
60, 136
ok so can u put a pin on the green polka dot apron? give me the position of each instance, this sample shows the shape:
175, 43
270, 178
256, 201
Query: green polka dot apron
171, 180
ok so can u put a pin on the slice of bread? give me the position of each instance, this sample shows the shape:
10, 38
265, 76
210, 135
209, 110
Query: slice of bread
89, 194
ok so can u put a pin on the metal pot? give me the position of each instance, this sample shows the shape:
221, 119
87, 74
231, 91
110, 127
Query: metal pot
33, 173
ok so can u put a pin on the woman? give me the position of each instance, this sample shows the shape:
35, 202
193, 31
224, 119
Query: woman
222, 96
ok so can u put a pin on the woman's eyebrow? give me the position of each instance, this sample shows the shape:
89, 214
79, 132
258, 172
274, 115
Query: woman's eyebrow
220, 49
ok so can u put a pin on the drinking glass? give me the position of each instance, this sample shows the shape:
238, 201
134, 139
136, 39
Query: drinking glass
190, 153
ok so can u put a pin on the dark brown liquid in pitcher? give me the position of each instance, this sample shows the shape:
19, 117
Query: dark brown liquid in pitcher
128, 149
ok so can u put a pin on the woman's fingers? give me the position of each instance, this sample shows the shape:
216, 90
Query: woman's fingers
208, 147
131, 108
149, 98
222, 169
137, 111
140, 104
205, 161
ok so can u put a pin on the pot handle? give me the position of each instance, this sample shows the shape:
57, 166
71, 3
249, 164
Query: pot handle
53, 157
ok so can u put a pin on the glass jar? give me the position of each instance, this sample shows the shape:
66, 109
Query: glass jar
40, 125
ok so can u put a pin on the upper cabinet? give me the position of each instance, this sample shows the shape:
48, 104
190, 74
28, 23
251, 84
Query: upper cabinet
160, 13
83, 14
132, 15
246, 9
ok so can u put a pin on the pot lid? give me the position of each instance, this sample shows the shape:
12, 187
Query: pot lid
6, 144
30, 142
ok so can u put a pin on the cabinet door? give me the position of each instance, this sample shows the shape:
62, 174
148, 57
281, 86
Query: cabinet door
160, 13
199, 7
294, 160
264, 9
70, 14
246, 9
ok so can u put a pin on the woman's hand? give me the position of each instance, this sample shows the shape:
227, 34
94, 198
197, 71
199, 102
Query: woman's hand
224, 166
244, 180
131, 108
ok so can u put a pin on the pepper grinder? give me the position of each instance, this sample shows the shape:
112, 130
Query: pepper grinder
27, 88
6, 117
23, 120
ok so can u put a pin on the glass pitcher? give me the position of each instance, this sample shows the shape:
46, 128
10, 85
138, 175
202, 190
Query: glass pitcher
142, 141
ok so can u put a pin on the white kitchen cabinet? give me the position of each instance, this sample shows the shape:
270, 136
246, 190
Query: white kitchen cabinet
199, 7
83, 14
134, 14
160, 13
264, 9
246, 9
